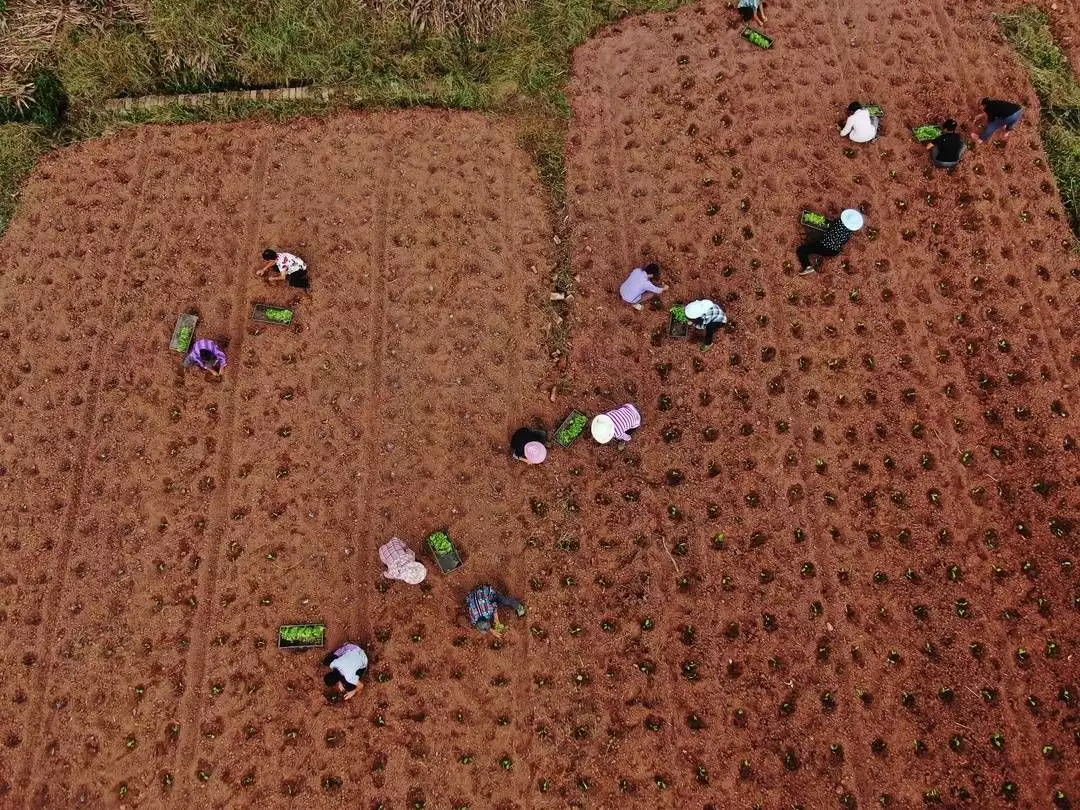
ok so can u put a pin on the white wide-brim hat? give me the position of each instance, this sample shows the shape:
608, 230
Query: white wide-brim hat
413, 573
851, 219
603, 429
695, 309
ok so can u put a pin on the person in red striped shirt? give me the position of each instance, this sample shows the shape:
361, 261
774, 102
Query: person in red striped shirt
616, 424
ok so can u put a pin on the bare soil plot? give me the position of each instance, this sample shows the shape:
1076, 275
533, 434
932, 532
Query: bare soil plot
159, 526
890, 434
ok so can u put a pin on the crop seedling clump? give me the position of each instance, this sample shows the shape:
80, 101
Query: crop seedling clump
571, 429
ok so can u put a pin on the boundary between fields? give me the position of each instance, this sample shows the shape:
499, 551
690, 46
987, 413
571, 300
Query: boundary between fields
310, 92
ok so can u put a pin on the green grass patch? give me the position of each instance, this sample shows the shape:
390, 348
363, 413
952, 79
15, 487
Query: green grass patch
20, 145
1028, 30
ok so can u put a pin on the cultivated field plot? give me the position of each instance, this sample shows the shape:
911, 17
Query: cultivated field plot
837, 562
158, 527
855, 517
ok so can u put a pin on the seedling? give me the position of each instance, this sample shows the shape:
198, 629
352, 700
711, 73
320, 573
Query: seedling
812, 219
183, 333
679, 324
571, 428
268, 313
755, 37
446, 554
926, 133
301, 636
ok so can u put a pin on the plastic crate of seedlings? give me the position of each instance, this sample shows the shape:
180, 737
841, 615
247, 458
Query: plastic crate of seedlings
301, 636
447, 557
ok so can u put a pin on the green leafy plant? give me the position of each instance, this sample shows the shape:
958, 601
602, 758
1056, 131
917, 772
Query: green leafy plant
571, 429
757, 38
814, 219
440, 543
278, 315
926, 133
678, 312
297, 634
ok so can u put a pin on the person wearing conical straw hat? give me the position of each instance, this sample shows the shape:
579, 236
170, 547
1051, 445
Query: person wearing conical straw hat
832, 241
616, 424
401, 563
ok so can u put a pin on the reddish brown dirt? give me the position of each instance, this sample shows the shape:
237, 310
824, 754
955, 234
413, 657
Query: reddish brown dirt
158, 527
154, 540
841, 401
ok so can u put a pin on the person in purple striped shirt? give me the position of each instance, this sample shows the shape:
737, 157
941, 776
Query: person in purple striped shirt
208, 356
616, 424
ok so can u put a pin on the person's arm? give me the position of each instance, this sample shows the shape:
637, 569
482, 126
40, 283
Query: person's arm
980, 117
847, 126
650, 287
262, 271
761, 11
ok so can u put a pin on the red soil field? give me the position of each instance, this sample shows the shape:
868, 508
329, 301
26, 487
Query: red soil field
776, 625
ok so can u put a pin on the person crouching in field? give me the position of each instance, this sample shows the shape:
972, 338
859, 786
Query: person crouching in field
529, 445
208, 356
290, 269
483, 603
753, 11
401, 562
998, 114
832, 241
860, 127
615, 424
639, 286
348, 665
704, 314
948, 147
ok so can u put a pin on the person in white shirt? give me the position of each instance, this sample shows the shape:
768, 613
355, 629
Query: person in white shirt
861, 127
290, 269
639, 288
348, 664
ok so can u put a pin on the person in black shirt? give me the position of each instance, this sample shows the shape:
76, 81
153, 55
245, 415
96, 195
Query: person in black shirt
998, 114
529, 445
832, 241
947, 148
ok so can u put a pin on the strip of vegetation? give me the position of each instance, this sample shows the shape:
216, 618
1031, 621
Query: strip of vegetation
1028, 30
20, 145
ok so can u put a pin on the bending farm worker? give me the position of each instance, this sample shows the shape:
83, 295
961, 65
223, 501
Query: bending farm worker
290, 269
208, 356
639, 287
860, 127
753, 11
704, 314
616, 424
401, 562
948, 147
348, 664
529, 445
483, 603
832, 241
999, 115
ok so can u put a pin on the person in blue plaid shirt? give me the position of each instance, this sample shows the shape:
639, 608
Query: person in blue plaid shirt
483, 603
704, 314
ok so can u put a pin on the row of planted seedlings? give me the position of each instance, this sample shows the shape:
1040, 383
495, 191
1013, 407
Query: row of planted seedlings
943, 536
